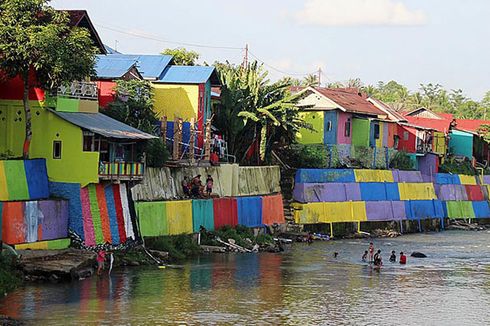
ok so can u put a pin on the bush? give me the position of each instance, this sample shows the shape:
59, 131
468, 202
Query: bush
156, 153
307, 156
452, 165
401, 161
179, 247
9, 276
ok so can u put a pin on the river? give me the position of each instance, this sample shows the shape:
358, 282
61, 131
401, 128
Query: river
305, 285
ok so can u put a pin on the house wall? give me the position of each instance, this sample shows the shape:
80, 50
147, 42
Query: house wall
74, 165
330, 127
305, 136
408, 139
176, 100
341, 137
461, 143
360, 132
23, 180
106, 92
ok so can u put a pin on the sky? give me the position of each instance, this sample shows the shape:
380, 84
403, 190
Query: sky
410, 41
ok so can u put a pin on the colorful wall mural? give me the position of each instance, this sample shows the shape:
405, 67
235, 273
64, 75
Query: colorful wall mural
23, 180
98, 213
385, 195
187, 216
31, 221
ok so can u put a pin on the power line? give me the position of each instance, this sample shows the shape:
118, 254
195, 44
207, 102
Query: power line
167, 41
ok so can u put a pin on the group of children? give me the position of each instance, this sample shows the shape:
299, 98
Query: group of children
195, 189
375, 258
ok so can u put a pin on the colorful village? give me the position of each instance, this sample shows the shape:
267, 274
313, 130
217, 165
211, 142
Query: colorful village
90, 183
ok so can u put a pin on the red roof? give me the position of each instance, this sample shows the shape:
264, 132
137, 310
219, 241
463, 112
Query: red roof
442, 125
470, 125
351, 100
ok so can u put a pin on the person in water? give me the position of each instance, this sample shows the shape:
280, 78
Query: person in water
100, 261
377, 258
371, 252
335, 254
403, 258
393, 257
364, 257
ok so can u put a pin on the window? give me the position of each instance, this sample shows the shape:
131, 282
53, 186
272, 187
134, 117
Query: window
88, 142
405, 135
57, 149
396, 141
329, 125
347, 128
376, 131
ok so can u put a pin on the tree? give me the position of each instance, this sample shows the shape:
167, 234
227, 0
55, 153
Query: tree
311, 80
254, 110
133, 106
182, 56
38, 45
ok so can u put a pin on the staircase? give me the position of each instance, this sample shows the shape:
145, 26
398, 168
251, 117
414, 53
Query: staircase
287, 186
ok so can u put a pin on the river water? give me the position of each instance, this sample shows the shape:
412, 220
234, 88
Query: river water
305, 285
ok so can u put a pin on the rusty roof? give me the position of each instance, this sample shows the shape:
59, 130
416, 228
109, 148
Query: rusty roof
351, 100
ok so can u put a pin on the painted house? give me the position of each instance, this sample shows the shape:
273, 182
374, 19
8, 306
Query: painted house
185, 92
344, 116
80, 144
426, 131
108, 70
466, 141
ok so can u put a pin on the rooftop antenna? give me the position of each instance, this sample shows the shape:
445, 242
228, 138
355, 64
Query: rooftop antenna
115, 45
245, 57
319, 76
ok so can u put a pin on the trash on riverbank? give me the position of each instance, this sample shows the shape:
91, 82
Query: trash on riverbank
460, 225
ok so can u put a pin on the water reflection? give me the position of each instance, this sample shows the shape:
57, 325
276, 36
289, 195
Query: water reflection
303, 286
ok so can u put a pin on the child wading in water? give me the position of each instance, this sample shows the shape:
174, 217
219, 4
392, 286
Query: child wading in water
371, 252
100, 261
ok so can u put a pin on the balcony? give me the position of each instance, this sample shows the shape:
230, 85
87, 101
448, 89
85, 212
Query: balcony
77, 96
121, 171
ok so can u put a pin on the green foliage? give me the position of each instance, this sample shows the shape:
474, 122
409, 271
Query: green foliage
307, 156
156, 153
240, 233
36, 38
255, 111
179, 247
456, 166
133, 105
182, 56
401, 161
9, 276
484, 131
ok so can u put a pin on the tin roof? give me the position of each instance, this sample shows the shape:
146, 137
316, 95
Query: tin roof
392, 114
470, 124
151, 66
103, 125
110, 67
80, 18
189, 75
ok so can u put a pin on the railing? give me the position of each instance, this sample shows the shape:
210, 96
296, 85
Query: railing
80, 90
121, 170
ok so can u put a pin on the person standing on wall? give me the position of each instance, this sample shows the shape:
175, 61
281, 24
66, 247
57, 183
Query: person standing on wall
209, 185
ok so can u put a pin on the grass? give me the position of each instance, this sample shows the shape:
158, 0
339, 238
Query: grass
179, 247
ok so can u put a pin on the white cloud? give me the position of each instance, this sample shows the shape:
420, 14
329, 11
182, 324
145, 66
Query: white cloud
358, 13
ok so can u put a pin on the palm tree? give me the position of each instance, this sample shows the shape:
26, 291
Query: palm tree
311, 80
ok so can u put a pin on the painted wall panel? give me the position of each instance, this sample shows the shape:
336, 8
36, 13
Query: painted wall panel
372, 191
407, 176
461, 143
31, 221
179, 217
249, 211
330, 126
16, 180
272, 210
373, 175
326, 192
474, 192
324, 175
451, 192
225, 212
424, 209
311, 213
447, 178
37, 178
385, 211
152, 217
202, 215
467, 179
315, 136
460, 209
481, 209
416, 191
342, 136
360, 132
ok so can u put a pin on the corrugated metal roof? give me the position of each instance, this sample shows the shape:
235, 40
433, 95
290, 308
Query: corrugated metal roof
392, 114
150, 66
187, 74
109, 66
351, 100
103, 125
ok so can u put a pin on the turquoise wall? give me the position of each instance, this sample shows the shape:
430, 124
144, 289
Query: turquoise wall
461, 143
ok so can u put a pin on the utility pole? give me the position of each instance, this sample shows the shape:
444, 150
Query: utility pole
319, 76
245, 57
